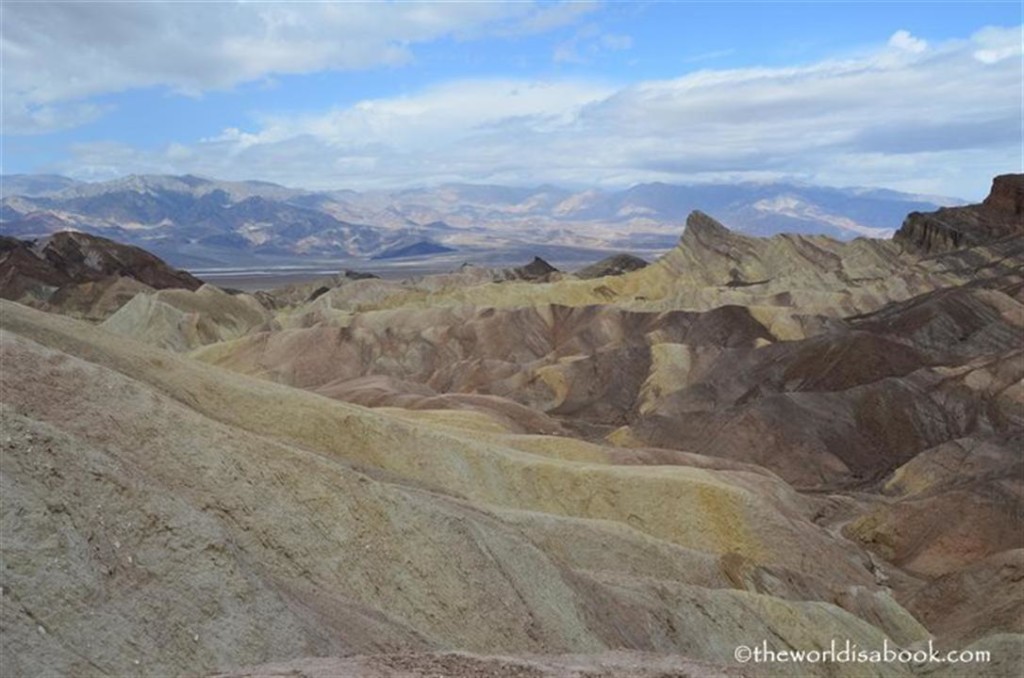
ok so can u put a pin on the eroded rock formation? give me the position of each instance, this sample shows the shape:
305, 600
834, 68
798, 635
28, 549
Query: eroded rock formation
786, 439
1001, 215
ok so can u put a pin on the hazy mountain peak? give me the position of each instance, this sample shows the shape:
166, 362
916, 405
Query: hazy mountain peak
234, 221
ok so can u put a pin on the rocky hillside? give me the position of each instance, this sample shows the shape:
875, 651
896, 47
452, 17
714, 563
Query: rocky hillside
82, 274
1001, 215
617, 264
766, 341
266, 523
786, 440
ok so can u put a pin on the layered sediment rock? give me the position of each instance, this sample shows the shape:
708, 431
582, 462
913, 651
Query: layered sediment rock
1000, 215
233, 521
789, 440
181, 320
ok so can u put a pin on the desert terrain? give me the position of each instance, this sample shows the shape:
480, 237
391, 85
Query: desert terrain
629, 470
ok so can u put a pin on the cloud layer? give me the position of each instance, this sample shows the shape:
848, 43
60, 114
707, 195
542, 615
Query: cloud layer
908, 114
57, 54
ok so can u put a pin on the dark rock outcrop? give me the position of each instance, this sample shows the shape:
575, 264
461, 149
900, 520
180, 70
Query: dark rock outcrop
318, 292
536, 270
1000, 215
617, 264
60, 265
1007, 195
349, 274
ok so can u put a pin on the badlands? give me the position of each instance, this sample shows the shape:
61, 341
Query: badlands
785, 441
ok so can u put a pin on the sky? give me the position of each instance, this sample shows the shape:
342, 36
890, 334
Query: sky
925, 97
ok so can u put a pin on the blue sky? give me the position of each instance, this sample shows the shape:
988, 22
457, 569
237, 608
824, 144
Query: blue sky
922, 96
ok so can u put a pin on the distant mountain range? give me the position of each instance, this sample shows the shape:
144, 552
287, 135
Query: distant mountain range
193, 221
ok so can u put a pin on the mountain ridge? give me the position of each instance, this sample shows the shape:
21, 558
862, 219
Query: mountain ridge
180, 217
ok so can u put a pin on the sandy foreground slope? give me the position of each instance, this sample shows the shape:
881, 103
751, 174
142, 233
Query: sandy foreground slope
162, 516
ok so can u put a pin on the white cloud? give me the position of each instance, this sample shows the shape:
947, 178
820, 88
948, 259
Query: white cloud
55, 53
935, 121
443, 115
904, 41
996, 45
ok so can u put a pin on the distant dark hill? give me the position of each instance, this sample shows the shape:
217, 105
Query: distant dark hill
1000, 215
417, 249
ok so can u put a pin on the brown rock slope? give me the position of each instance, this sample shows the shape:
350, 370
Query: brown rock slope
163, 517
1001, 215
951, 516
616, 264
600, 467
843, 401
133, 292
785, 281
82, 275
587, 364
857, 401
885, 382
